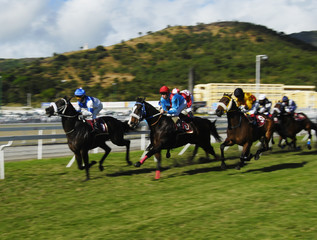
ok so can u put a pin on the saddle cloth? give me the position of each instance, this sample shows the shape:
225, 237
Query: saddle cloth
299, 117
260, 120
102, 126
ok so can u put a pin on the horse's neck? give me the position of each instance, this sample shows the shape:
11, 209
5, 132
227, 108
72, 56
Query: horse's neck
151, 111
234, 117
70, 119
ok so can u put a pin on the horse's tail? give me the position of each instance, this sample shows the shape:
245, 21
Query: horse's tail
213, 130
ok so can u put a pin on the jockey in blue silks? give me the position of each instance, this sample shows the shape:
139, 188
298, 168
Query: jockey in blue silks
92, 104
179, 103
289, 105
173, 104
165, 101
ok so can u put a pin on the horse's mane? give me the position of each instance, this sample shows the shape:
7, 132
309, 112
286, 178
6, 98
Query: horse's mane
142, 100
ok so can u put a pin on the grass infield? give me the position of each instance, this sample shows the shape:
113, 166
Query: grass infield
272, 198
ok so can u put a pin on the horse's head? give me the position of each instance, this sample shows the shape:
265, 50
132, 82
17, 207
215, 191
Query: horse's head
224, 104
278, 109
138, 113
58, 107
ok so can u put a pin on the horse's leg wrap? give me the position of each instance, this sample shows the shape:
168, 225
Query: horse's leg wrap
143, 159
157, 174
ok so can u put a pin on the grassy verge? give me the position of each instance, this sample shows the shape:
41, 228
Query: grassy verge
272, 198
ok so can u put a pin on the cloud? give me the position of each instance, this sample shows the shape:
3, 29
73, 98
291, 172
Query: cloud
39, 28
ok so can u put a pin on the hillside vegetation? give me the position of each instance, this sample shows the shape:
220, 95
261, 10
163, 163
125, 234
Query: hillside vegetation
218, 52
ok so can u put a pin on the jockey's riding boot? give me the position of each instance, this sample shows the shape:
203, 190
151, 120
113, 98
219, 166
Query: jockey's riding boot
95, 130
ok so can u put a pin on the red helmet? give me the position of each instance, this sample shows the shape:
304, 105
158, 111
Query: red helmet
164, 89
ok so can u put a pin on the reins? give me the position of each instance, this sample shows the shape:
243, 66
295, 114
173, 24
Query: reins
143, 114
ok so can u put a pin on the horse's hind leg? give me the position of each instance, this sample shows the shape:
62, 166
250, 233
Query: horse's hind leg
190, 160
308, 129
126, 143
107, 149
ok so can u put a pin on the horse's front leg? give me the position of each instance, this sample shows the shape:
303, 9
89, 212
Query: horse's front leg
226, 143
85, 157
245, 155
147, 155
158, 157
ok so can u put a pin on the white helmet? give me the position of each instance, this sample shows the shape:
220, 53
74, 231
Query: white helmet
262, 97
175, 91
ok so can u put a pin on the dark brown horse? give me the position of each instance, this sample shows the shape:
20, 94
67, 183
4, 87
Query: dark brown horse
80, 137
164, 135
288, 125
241, 132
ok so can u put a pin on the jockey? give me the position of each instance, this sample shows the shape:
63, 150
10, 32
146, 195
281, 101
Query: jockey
92, 104
178, 104
245, 101
289, 105
263, 105
165, 101
189, 99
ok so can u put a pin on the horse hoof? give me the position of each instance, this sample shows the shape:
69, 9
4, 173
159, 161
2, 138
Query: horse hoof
257, 157
223, 166
93, 163
137, 164
309, 147
129, 163
168, 155
238, 167
101, 168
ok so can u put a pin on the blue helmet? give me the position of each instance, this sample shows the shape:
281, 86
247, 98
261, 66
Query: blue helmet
285, 99
79, 92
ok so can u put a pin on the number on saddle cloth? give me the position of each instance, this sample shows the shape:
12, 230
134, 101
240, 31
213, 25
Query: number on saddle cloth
260, 120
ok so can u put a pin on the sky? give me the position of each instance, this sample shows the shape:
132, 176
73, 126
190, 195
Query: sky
40, 28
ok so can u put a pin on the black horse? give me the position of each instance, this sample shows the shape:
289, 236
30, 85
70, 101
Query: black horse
240, 131
80, 137
288, 125
164, 134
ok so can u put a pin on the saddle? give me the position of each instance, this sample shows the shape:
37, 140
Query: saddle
299, 116
182, 126
101, 125
256, 120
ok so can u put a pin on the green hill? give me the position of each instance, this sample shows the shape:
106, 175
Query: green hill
308, 37
219, 52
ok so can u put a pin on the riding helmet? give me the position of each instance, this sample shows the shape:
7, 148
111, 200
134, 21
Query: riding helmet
79, 92
164, 89
262, 97
238, 92
175, 91
285, 99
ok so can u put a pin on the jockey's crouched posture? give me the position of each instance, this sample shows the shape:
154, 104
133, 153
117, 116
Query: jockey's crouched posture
92, 104
173, 104
245, 101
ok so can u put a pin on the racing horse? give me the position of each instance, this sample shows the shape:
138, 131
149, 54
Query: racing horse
164, 134
288, 125
80, 137
241, 132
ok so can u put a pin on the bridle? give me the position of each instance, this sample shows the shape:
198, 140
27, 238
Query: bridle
142, 114
60, 111
227, 107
